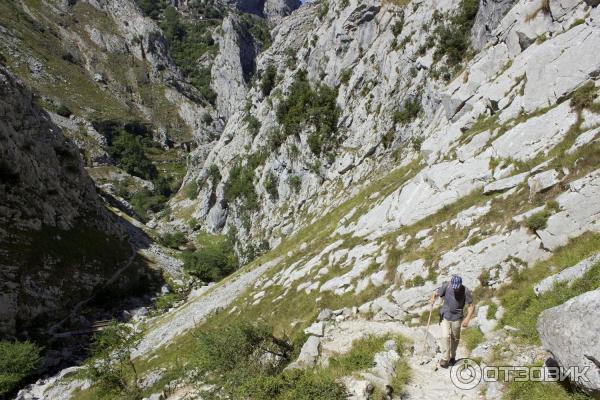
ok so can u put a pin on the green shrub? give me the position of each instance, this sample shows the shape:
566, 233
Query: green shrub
258, 28
191, 190
214, 174
144, 202
360, 356
345, 76
316, 108
410, 110
188, 42
240, 185
584, 97
128, 151
173, 240
253, 124
416, 281
417, 142
323, 9
452, 38
295, 183
111, 366
18, 360
63, 111
246, 361
269, 79
151, 8
271, 183
167, 301
388, 138
552, 205
398, 26
238, 345
538, 220
212, 262
293, 385
275, 138
290, 58
492, 309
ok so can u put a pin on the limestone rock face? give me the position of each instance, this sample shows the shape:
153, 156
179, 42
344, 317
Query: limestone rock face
515, 79
570, 333
488, 17
42, 177
234, 65
50, 219
580, 212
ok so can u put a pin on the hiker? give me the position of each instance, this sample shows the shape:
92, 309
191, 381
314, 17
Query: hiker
455, 296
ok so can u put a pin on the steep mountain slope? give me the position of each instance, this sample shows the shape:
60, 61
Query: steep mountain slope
102, 67
383, 147
379, 59
59, 243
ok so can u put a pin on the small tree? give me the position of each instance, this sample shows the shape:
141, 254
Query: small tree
236, 353
111, 365
18, 360
268, 81
212, 262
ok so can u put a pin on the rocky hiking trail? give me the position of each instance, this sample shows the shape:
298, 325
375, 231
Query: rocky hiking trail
428, 381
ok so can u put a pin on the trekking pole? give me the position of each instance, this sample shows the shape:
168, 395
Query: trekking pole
427, 329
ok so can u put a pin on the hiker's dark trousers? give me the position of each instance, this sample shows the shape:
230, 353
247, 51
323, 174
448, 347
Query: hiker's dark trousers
450, 338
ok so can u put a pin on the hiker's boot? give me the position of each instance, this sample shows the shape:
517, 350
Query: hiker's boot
444, 364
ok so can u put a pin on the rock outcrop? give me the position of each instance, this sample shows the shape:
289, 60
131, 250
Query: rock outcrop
569, 332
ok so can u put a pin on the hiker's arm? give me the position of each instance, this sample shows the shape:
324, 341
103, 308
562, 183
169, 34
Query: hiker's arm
470, 312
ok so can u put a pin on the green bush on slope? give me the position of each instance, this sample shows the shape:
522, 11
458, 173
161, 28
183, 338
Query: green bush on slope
18, 360
111, 366
269, 79
212, 262
452, 38
313, 107
246, 361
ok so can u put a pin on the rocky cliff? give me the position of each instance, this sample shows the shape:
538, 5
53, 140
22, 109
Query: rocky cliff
59, 243
400, 93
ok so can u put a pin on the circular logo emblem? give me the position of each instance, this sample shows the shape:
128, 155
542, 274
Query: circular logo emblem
466, 374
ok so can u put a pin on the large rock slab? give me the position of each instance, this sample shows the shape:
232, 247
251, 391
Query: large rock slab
433, 188
493, 251
536, 135
570, 333
488, 17
309, 354
505, 184
580, 212
543, 181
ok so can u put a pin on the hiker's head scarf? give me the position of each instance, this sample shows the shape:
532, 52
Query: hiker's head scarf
455, 282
